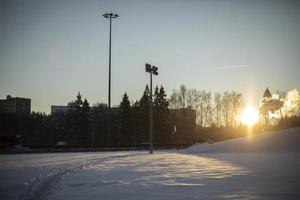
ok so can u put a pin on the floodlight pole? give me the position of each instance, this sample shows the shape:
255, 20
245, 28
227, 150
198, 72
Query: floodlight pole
152, 70
110, 16
109, 76
151, 118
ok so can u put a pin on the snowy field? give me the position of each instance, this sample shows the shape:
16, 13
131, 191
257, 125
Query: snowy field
200, 172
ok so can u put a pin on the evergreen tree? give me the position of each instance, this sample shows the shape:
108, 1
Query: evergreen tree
162, 125
136, 122
126, 120
163, 102
142, 117
99, 123
85, 106
145, 100
156, 97
77, 123
78, 102
125, 104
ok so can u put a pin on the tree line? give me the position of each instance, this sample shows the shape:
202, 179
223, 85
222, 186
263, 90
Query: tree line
84, 125
218, 110
216, 118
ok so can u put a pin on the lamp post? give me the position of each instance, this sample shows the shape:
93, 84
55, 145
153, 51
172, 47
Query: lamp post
152, 70
109, 16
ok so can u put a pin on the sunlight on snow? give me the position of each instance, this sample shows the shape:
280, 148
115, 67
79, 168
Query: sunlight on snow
173, 170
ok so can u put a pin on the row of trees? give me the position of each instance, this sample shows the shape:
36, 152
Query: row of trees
217, 116
84, 125
280, 108
134, 118
212, 110
130, 122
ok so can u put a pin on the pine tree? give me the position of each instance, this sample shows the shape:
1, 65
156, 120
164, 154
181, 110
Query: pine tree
141, 117
157, 136
78, 122
156, 98
99, 123
126, 119
161, 116
163, 102
125, 106
85, 106
78, 102
145, 100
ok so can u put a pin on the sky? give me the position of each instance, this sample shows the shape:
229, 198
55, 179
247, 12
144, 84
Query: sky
50, 50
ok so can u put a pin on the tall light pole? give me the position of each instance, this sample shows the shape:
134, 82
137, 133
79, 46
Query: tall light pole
152, 70
109, 16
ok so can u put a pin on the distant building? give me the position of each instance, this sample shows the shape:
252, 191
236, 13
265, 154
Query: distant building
15, 105
187, 114
65, 109
184, 120
60, 109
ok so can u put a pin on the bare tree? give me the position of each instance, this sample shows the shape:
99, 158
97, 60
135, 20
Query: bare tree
174, 100
206, 108
178, 98
225, 111
218, 106
182, 92
232, 104
201, 102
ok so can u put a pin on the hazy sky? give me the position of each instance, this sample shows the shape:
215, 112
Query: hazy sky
50, 50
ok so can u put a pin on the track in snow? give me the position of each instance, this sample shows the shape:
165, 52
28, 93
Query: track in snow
39, 187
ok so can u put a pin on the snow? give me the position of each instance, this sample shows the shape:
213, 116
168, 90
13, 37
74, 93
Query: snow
32, 175
278, 141
199, 172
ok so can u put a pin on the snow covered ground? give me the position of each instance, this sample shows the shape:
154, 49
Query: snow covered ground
278, 141
189, 174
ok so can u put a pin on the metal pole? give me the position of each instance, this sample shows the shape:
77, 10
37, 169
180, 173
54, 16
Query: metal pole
109, 85
109, 78
151, 118
109, 16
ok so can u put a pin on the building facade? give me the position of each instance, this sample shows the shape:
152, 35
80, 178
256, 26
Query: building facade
184, 120
60, 109
15, 105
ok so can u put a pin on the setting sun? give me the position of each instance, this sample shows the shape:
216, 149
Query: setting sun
249, 116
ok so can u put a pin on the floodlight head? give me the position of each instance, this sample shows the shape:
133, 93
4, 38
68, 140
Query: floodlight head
110, 15
154, 70
148, 67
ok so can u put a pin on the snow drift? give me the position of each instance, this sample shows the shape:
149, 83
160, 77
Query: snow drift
278, 141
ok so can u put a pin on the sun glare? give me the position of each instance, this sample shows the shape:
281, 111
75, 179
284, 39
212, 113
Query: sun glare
249, 116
